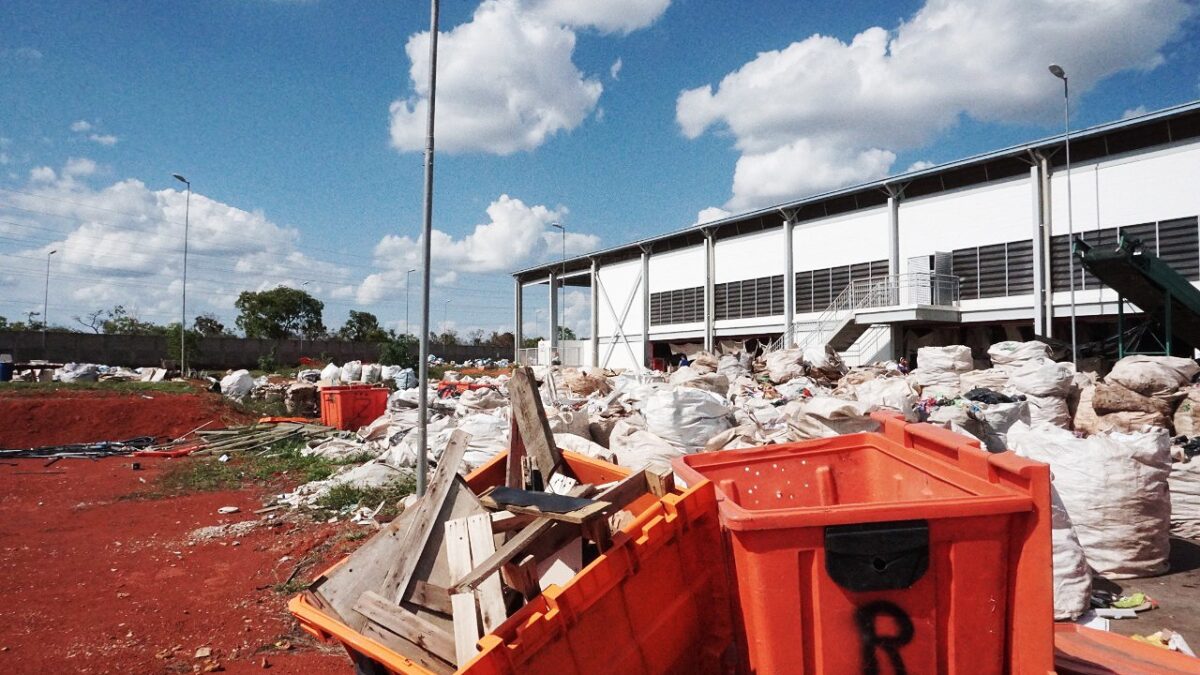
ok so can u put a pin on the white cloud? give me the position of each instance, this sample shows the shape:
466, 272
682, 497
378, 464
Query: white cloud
614, 71
78, 167
81, 126
21, 54
506, 79
919, 165
103, 139
5, 159
1134, 112
122, 244
609, 16
515, 235
709, 214
854, 105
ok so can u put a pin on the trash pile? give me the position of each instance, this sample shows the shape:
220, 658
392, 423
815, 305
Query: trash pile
433, 580
40, 371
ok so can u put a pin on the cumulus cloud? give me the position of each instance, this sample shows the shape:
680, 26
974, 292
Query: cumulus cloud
103, 139
709, 214
506, 79
81, 126
854, 105
21, 54
919, 165
614, 71
1134, 112
516, 234
609, 16
121, 243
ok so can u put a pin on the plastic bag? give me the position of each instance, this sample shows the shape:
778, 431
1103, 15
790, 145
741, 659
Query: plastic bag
351, 371
893, 392
784, 365
80, 372
825, 417
1011, 352
686, 417
952, 359
371, 373
331, 374
237, 385
639, 449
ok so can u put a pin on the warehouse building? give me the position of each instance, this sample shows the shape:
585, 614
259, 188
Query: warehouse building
970, 252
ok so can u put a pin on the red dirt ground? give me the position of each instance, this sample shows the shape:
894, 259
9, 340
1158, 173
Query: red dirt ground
94, 582
84, 416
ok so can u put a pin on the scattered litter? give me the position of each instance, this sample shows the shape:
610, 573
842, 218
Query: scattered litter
226, 510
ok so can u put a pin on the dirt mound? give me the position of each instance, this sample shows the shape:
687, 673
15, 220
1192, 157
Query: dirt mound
85, 416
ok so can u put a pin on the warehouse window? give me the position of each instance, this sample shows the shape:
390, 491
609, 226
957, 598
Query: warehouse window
815, 289
1176, 242
994, 271
749, 298
684, 305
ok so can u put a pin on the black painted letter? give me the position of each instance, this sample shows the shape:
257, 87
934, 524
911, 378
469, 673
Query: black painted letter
890, 644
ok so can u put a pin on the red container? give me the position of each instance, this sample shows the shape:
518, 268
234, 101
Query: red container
910, 550
351, 407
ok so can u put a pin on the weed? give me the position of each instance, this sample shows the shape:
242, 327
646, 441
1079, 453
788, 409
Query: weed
206, 474
33, 388
198, 475
345, 497
291, 587
355, 535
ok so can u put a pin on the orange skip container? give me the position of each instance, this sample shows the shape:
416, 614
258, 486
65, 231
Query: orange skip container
350, 407
911, 550
655, 602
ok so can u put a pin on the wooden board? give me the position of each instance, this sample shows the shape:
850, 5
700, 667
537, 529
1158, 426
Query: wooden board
511, 549
514, 476
489, 592
432, 598
416, 535
543, 504
530, 415
407, 625
466, 614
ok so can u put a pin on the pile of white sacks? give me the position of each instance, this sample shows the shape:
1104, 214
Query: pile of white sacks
1110, 453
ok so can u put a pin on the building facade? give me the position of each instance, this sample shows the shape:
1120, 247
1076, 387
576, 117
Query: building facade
971, 252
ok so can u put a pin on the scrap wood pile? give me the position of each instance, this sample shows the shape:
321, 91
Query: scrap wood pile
455, 565
251, 437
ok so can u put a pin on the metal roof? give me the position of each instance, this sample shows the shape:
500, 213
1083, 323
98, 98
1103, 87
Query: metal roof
1081, 136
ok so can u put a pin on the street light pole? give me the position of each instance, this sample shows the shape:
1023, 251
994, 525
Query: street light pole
187, 213
556, 339
407, 287
1057, 71
426, 266
445, 311
46, 303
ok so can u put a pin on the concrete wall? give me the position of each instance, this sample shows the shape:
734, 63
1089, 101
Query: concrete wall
215, 352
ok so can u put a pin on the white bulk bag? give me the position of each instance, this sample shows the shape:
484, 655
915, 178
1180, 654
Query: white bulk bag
1072, 577
331, 374
686, 417
1011, 352
952, 359
890, 392
351, 371
1042, 378
784, 364
237, 385
1184, 483
1114, 487
1153, 375
825, 417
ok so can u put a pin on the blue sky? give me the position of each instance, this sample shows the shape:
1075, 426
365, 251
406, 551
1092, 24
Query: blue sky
278, 112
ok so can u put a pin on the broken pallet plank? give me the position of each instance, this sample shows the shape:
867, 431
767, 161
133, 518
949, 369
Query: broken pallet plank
406, 624
490, 594
523, 577
431, 597
514, 476
511, 549
416, 535
462, 603
543, 504
530, 415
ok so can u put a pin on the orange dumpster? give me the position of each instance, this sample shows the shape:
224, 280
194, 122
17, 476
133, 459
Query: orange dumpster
655, 602
350, 407
910, 550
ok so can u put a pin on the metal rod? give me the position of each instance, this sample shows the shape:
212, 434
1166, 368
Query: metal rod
46, 303
1070, 217
426, 255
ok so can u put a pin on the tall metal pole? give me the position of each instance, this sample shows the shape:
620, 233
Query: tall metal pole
187, 213
426, 235
1061, 74
407, 288
46, 303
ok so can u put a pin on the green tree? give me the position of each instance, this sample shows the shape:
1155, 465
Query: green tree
446, 337
121, 321
279, 313
502, 340
209, 325
192, 339
399, 350
565, 333
530, 343
362, 327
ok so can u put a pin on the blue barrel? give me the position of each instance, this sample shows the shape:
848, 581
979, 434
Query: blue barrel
6, 371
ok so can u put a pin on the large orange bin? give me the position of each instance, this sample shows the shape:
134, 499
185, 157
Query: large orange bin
656, 602
351, 407
910, 550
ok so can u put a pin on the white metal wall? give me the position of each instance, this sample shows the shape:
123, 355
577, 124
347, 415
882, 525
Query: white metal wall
841, 240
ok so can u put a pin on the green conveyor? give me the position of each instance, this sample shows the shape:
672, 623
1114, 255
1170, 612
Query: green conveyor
1142, 278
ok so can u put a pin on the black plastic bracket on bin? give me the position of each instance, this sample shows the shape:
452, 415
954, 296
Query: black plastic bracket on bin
877, 556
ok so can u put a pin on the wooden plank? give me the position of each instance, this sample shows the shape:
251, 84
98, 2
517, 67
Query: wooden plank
416, 535
543, 504
514, 476
489, 592
522, 577
407, 625
660, 484
462, 604
597, 530
507, 521
531, 419
405, 648
626, 491
511, 549
433, 598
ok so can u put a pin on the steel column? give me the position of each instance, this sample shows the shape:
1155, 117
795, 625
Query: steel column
893, 204
710, 257
553, 279
595, 313
645, 308
518, 319
789, 285
1039, 253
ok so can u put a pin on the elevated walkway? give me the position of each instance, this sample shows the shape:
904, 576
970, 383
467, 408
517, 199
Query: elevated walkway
1142, 278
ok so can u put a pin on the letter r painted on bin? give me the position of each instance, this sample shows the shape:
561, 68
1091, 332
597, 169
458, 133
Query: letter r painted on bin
873, 642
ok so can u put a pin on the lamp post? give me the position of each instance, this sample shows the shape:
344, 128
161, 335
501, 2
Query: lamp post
302, 285
1057, 71
426, 255
46, 302
445, 311
187, 213
407, 330
562, 283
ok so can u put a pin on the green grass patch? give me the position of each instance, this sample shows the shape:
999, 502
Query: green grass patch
33, 388
346, 497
